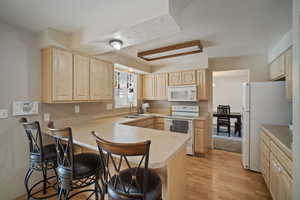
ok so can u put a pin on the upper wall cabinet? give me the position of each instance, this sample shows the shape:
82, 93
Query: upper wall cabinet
81, 77
161, 86
281, 68
174, 78
202, 79
182, 78
57, 75
289, 73
101, 80
148, 87
68, 77
155, 86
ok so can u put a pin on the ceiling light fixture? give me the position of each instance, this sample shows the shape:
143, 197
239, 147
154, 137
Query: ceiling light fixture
181, 49
116, 44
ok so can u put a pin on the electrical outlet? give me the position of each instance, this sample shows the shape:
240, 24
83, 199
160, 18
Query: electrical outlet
77, 109
46, 117
3, 114
109, 106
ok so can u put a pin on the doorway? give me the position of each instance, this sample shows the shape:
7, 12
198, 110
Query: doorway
227, 108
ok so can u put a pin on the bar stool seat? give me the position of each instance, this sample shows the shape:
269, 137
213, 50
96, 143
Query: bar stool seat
153, 189
86, 164
50, 152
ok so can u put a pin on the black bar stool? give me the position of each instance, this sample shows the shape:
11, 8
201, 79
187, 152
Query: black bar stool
129, 183
75, 172
41, 159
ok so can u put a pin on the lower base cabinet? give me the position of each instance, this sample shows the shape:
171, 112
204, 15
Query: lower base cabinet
274, 173
201, 137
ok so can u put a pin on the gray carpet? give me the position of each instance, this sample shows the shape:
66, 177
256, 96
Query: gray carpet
223, 142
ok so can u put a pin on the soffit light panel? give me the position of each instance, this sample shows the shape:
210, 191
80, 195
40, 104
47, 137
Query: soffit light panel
181, 49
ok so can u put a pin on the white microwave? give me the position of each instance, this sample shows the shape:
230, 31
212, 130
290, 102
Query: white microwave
182, 93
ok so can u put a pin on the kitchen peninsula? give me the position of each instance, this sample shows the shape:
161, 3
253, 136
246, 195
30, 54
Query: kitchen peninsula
167, 150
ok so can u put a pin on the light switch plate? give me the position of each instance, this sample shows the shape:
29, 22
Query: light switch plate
77, 108
46, 117
109, 106
3, 113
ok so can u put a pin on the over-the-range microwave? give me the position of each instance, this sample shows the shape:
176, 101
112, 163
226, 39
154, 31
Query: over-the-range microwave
182, 93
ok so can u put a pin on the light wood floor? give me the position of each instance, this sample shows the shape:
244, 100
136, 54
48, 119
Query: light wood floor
220, 176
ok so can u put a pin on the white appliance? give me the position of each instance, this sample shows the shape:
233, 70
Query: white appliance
25, 108
182, 93
182, 121
263, 103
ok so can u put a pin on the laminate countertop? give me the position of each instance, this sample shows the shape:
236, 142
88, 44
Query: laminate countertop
282, 135
164, 144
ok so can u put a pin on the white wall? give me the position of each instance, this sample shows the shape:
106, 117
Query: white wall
19, 80
296, 99
227, 90
256, 64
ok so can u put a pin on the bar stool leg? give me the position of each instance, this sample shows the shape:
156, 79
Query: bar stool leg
44, 171
27, 176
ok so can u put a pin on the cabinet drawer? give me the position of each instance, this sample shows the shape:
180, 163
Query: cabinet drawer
265, 151
281, 157
145, 123
159, 120
265, 138
199, 124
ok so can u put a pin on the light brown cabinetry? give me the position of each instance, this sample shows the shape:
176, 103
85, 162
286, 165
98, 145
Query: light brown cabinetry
182, 78
70, 77
81, 77
148, 87
281, 68
155, 86
159, 123
161, 86
201, 136
289, 73
101, 81
174, 78
276, 168
57, 75
188, 77
202, 84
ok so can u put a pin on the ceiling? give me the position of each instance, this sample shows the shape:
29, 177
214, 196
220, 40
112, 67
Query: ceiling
226, 28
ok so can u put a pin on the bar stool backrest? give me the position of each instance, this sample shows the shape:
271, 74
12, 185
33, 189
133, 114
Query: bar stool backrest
114, 156
64, 148
33, 132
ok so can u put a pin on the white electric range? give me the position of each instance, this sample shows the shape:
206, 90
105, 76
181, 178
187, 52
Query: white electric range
182, 121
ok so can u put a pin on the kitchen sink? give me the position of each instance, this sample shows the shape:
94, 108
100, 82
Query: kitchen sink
133, 116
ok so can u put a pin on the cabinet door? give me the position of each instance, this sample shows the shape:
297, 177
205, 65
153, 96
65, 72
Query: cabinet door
174, 78
148, 86
101, 80
139, 87
62, 80
81, 77
265, 162
188, 77
201, 84
285, 185
274, 177
288, 74
161, 86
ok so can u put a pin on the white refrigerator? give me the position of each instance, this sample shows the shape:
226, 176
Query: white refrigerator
263, 103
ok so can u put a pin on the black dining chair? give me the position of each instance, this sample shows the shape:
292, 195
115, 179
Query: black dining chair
42, 158
224, 119
75, 172
123, 180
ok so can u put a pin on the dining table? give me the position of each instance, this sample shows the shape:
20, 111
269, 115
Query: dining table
234, 115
